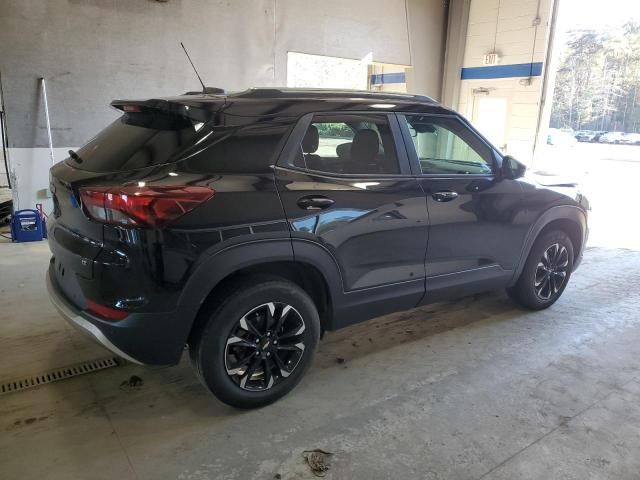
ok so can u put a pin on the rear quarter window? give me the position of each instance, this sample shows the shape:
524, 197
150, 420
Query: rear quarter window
249, 149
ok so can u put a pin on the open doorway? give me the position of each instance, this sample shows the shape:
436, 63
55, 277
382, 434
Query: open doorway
490, 115
592, 132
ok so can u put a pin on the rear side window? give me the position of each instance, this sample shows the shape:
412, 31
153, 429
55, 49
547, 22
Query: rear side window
348, 144
137, 140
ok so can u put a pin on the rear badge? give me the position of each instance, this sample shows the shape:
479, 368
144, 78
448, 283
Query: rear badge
85, 262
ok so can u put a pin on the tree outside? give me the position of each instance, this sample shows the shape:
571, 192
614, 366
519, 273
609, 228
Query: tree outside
598, 80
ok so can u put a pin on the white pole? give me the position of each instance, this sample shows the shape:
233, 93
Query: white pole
46, 112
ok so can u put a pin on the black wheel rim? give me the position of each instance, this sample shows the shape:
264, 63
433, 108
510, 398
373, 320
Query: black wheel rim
265, 346
551, 271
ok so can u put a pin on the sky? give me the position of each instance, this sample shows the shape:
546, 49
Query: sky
596, 13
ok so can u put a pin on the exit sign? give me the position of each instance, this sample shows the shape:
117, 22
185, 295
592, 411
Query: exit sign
491, 59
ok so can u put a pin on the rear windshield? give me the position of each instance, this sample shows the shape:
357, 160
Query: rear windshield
137, 140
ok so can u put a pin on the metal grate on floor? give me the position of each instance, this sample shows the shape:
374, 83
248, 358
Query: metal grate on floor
60, 374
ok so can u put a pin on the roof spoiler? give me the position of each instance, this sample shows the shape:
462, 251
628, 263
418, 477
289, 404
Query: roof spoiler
185, 109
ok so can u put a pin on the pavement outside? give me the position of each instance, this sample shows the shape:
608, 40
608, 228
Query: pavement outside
476, 388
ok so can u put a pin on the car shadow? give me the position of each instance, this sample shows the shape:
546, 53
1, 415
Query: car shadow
133, 408
418, 324
131, 391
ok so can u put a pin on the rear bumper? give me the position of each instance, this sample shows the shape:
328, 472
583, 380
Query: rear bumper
75, 318
142, 338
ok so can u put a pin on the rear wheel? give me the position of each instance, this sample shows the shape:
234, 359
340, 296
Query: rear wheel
256, 342
546, 272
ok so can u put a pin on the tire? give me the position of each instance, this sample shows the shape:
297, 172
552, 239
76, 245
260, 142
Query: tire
543, 279
240, 360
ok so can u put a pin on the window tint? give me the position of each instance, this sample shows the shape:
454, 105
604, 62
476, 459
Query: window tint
249, 149
349, 144
446, 146
138, 140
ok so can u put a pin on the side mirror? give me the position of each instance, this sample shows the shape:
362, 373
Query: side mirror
512, 168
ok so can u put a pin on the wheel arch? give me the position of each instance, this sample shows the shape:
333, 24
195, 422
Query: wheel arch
315, 272
570, 227
568, 218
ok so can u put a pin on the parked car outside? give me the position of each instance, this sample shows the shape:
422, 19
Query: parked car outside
631, 139
245, 225
612, 137
559, 138
585, 136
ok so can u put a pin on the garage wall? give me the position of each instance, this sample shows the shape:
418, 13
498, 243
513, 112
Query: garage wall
518, 31
427, 30
92, 51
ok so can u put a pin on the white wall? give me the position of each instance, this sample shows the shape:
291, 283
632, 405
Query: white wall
508, 27
30, 172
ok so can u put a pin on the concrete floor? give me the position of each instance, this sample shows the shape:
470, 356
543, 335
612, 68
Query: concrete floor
471, 389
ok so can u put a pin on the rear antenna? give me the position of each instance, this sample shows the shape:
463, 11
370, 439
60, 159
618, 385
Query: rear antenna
204, 89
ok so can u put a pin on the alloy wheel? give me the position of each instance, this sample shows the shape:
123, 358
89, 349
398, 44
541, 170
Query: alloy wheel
551, 271
265, 346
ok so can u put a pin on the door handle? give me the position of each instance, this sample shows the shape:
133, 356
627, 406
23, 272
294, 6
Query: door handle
444, 196
315, 202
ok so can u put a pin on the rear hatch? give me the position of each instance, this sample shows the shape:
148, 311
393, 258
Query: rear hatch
148, 134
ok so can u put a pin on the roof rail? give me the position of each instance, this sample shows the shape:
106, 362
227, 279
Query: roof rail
313, 92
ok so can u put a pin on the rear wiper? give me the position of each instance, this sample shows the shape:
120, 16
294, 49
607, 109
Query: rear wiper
75, 156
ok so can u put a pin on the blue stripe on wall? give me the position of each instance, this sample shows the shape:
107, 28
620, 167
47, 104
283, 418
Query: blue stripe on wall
381, 78
502, 71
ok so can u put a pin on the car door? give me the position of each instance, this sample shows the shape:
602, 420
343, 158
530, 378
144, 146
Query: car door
347, 188
475, 236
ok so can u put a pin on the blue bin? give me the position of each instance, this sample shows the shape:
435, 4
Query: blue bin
26, 226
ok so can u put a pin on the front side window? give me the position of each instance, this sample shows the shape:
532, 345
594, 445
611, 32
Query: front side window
446, 146
348, 144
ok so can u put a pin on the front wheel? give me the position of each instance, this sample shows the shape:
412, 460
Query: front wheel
256, 341
546, 271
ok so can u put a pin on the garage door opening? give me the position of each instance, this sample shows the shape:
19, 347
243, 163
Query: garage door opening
593, 133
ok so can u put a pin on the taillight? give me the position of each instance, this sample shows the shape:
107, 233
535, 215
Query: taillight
145, 206
105, 312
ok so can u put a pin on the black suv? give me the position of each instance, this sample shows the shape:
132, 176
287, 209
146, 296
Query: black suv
244, 225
